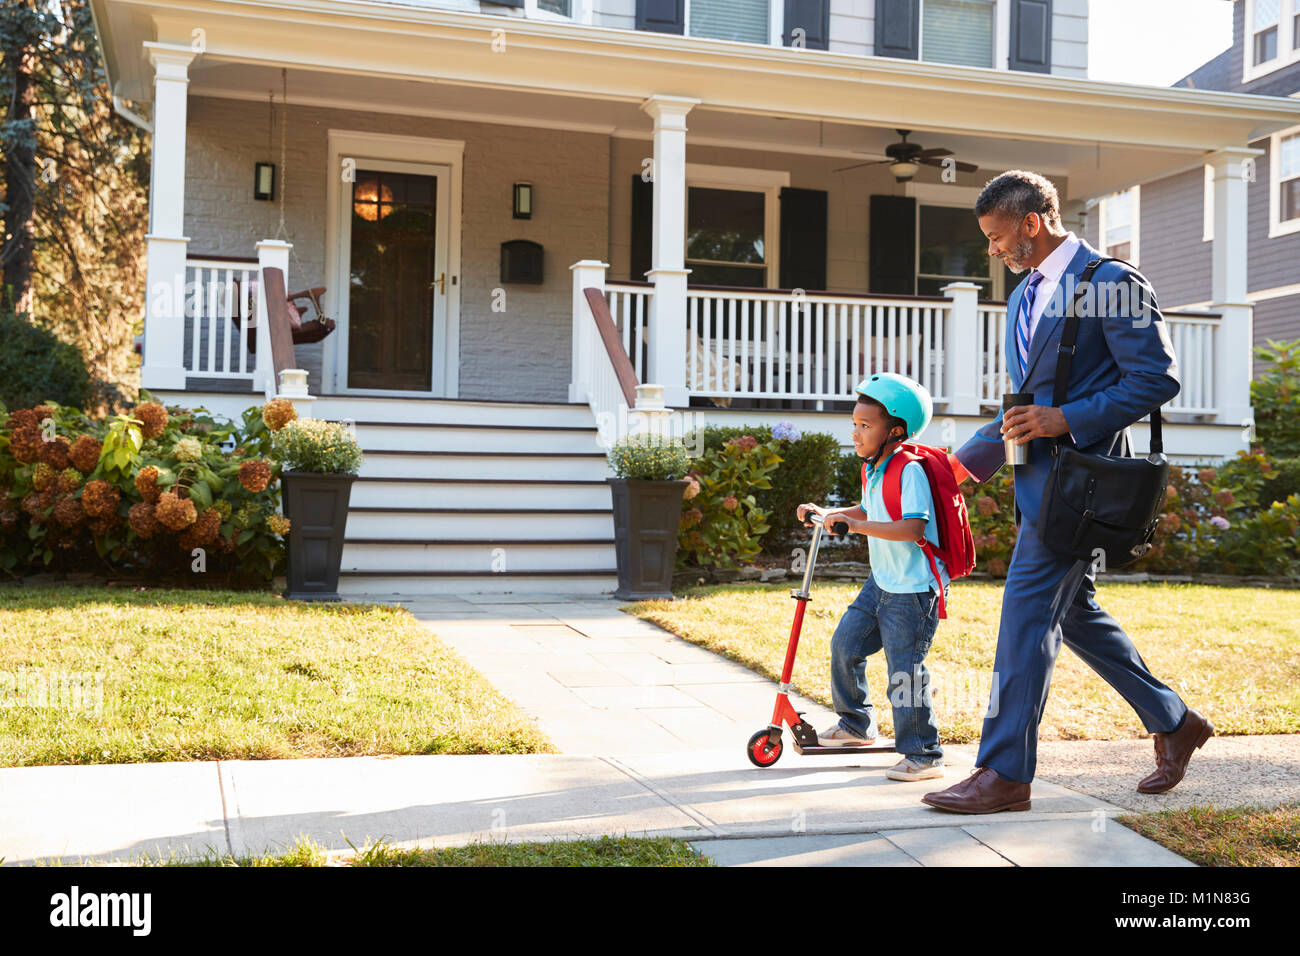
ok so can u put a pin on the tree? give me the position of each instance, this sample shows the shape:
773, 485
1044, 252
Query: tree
76, 181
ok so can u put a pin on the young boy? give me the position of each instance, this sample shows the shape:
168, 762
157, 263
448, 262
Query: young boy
897, 610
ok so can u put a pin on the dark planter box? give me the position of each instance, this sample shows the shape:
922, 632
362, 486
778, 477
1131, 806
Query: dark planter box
646, 518
317, 508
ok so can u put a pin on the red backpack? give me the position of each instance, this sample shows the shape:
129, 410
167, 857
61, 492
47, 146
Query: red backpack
956, 543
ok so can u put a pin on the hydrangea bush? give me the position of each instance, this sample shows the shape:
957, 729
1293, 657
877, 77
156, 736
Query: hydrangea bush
722, 522
138, 493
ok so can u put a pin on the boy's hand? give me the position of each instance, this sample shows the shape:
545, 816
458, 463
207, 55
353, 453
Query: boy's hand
802, 512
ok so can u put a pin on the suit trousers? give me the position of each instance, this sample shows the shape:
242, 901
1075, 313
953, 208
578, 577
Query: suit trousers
1048, 599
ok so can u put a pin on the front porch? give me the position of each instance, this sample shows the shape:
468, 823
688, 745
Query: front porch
833, 269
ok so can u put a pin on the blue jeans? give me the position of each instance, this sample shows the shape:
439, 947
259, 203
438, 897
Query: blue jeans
903, 626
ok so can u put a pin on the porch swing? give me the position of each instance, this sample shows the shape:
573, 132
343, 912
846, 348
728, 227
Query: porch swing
315, 329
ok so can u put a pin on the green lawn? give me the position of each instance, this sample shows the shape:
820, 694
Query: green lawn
1233, 653
198, 675
1236, 836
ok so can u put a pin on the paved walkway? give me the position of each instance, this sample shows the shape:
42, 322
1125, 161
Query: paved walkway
652, 732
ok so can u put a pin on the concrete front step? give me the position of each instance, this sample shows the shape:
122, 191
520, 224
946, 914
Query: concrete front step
468, 524
479, 438
555, 581
470, 493
481, 555
401, 463
449, 411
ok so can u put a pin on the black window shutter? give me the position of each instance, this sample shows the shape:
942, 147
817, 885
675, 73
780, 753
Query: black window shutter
803, 239
898, 28
1031, 36
661, 16
643, 198
813, 17
892, 245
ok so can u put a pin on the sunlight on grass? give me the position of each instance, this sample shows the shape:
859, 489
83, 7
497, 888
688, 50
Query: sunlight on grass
190, 675
1237, 836
1232, 653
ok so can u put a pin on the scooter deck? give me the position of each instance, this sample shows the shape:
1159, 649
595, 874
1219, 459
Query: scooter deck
817, 750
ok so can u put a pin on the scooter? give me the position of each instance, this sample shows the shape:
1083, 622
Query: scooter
764, 748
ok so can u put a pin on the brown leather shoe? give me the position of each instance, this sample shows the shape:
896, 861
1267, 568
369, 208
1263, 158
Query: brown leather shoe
1174, 750
982, 792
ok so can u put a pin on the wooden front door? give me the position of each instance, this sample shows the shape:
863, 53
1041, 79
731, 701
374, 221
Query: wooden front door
394, 284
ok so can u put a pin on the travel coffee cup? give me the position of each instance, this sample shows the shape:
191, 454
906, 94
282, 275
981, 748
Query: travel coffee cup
1016, 454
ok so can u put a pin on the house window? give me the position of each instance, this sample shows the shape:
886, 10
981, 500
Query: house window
745, 20
1264, 30
1287, 165
958, 31
951, 248
1118, 225
726, 236
558, 7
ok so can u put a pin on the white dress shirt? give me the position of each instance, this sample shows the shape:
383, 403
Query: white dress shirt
1052, 269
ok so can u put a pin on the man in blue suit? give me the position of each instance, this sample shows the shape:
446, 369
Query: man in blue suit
1123, 369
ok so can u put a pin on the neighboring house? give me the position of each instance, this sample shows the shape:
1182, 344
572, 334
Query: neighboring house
731, 175
1166, 225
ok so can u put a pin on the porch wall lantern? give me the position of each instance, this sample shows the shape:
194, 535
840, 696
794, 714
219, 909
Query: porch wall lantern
523, 208
264, 181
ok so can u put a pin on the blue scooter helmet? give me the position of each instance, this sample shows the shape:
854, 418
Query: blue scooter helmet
901, 397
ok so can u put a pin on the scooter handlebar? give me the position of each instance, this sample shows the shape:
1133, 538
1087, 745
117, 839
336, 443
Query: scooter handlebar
836, 527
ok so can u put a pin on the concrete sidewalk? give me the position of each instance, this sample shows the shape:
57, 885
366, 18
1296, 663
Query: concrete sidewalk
652, 730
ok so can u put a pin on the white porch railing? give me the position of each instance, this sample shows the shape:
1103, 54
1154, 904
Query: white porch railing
220, 308
629, 307
774, 344
991, 352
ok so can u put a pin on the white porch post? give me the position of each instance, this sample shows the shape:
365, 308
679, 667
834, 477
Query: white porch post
273, 254
165, 298
961, 358
1234, 345
667, 334
587, 274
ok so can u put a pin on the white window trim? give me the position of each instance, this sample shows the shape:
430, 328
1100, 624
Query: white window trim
1275, 226
1287, 51
1001, 37
579, 12
1135, 235
766, 181
1207, 222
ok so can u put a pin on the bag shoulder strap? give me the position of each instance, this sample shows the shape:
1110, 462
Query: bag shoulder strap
1069, 336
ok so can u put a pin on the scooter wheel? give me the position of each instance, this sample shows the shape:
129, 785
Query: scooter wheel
761, 752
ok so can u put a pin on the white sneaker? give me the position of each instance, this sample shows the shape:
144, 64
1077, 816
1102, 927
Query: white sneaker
909, 769
838, 736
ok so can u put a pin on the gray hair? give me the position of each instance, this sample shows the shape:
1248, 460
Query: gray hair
1017, 193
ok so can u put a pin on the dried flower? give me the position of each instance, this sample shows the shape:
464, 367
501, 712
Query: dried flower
55, 453
1170, 492
25, 443
986, 505
692, 487
143, 520
278, 524
43, 476
153, 419
997, 567
102, 526
69, 513
85, 453
22, 418
175, 512
69, 480
730, 503
202, 533
745, 442
1170, 522
223, 508
691, 517
8, 518
100, 499
1225, 498
188, 449
43, 412
146, 482
278, 412
1206, 475
255, 474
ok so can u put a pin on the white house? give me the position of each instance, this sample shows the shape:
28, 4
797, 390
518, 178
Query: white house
738, 178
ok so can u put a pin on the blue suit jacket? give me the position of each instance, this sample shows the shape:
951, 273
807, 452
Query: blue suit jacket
1124, 368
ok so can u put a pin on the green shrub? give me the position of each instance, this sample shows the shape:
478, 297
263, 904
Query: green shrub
1276, 396
723, 521
1284, 480
848, 480
37, 366
806, 473
646, 457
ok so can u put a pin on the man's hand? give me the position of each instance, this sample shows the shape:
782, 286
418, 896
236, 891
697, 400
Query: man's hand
1025, 422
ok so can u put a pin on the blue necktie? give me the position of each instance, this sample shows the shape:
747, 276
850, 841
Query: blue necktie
1022, 320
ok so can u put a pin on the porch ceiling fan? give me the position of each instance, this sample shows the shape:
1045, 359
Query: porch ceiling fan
904, 159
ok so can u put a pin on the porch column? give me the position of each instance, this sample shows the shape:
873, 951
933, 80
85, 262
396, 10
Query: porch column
271, 254
165, 293
667, 333
587, 274
961, 358
1234, 344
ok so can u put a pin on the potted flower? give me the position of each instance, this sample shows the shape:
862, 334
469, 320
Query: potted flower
647, 495
319, 461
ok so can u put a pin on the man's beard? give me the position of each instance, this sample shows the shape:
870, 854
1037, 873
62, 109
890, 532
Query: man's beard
1015, 259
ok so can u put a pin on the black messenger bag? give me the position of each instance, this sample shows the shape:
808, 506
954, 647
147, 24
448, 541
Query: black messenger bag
1099, 506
